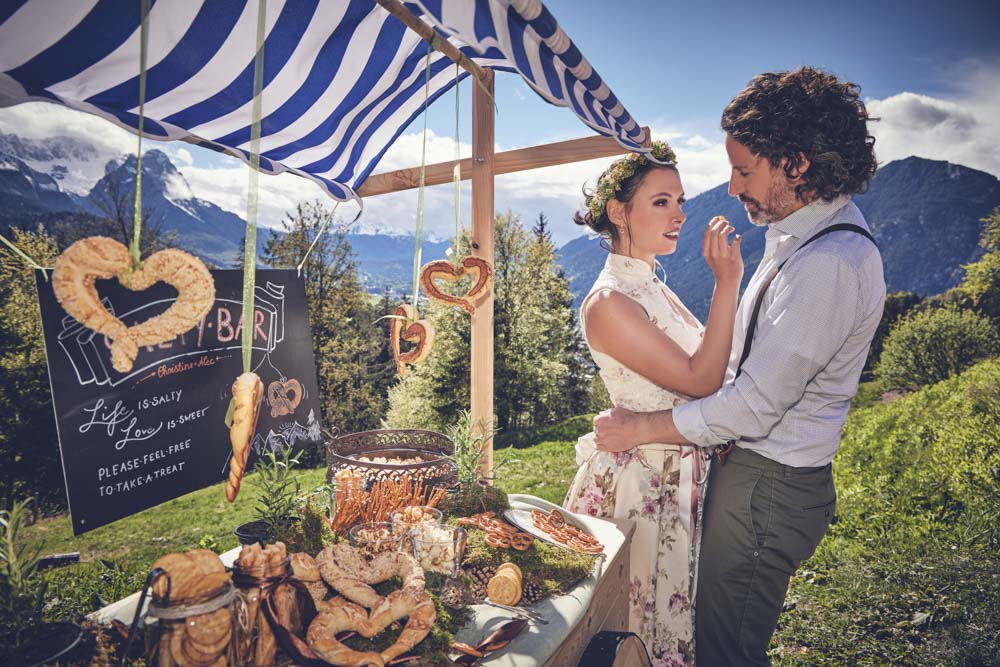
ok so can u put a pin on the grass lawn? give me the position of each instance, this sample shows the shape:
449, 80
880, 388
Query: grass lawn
914, 592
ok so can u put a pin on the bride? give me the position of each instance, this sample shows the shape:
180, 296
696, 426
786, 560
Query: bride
652, 355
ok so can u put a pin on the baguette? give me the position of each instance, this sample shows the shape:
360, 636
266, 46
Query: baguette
248, 393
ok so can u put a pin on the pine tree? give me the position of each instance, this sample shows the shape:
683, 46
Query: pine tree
29, 450
347, 344
535, 344
541, 229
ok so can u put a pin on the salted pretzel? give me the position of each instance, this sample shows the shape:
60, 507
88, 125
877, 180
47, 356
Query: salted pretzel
521, 541
554, 524
476, 267
98, 257
497, 541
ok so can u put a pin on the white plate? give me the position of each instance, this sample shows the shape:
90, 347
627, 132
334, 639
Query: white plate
522, 519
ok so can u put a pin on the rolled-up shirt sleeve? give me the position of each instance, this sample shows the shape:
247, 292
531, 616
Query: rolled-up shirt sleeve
814, 309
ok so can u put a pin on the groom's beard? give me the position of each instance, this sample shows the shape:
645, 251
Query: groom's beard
779, 204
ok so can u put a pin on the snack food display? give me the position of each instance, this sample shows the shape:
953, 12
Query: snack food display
248, 393
98, 257
345, 570
555, 526
499, 533
385, 497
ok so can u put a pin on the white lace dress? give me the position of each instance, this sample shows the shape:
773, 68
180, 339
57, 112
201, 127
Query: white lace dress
654, 485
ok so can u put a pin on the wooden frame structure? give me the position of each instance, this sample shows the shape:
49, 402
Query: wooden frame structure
481, 168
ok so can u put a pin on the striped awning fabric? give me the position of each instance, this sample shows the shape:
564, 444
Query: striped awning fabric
342, 78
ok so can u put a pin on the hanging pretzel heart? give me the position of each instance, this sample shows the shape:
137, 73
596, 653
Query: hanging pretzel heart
284, 396
405, 325
476, 267
99, 257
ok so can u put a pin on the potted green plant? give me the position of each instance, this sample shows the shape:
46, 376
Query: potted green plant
23, 635
277, 501
475, 493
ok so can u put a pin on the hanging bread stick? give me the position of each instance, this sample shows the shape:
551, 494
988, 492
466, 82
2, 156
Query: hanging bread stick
248, 393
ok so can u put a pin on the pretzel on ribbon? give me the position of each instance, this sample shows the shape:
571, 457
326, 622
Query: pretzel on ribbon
479, 268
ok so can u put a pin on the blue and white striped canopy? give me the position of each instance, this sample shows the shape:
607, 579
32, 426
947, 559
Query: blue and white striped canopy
342, 78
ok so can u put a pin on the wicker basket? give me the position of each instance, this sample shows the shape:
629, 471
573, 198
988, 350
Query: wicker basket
435, 468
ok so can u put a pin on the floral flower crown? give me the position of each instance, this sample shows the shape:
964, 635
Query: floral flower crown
623, 169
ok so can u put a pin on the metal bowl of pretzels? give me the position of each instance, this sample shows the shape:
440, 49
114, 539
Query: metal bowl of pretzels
393, 454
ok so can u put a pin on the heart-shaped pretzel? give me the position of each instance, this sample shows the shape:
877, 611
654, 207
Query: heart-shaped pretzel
284, 396
441, 269
97, 257
405, 325
344, 569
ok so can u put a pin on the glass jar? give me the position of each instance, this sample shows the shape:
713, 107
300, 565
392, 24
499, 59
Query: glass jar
437, 548
407, 518
371, 539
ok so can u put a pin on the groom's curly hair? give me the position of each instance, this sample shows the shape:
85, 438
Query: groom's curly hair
807, 112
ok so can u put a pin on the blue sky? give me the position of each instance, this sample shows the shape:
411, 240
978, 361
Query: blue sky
931, 71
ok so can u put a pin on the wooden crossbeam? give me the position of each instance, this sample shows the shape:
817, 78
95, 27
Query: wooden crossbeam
396, 8
520, 159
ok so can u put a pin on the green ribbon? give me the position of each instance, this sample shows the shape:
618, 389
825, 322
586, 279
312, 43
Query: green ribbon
250, 240
137, 212
24, 256
456, 176
322, 229
420, 193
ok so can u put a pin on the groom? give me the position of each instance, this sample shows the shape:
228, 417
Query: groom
799, 147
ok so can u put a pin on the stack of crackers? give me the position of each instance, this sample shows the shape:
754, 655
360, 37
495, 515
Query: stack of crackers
506, 585
201, 640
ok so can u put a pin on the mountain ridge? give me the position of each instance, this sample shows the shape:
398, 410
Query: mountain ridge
911, 206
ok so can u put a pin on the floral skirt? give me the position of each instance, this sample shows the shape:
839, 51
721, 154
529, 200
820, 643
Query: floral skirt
656, 487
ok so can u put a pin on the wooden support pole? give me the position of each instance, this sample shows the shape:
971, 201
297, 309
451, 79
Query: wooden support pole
396, 8
520, 159
482, 246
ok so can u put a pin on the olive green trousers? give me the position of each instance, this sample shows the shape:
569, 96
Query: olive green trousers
761, 520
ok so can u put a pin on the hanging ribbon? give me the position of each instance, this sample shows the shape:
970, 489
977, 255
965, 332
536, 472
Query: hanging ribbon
464, 62
250, 240
24, 256
418, 242
322, 229
137, 212
456, 176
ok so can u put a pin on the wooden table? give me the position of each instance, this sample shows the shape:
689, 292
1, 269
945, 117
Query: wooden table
599, 602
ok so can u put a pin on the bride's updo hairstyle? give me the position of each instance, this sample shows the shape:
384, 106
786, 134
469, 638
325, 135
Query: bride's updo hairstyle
620, 181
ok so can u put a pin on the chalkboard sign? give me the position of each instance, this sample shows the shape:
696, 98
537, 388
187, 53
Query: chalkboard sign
131, 441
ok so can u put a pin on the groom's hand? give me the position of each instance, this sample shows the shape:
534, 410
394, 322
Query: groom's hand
616, 430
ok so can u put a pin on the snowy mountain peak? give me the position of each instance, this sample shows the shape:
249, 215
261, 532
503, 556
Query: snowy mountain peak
158, 174
50, 149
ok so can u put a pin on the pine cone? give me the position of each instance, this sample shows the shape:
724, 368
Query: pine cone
532, 594
480, 576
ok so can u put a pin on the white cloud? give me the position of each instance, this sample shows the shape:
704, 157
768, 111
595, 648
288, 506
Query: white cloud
227, 187
181, 157
964, 130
